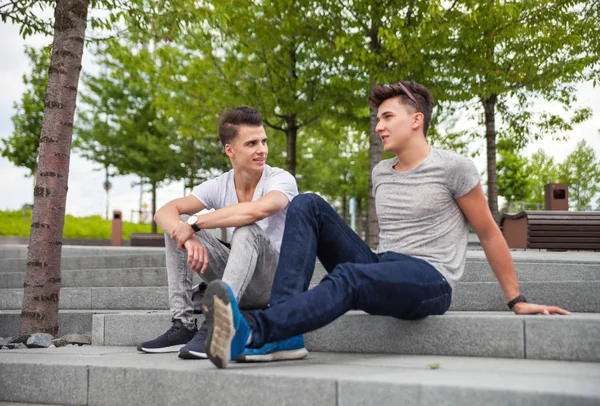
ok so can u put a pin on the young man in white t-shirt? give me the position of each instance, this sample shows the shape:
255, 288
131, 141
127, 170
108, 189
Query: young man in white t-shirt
251, 201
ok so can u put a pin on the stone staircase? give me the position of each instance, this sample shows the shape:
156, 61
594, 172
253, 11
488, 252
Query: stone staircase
477, 353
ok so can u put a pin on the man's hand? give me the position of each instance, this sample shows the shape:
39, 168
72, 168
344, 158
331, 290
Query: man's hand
197, 255
182, 233
532, 308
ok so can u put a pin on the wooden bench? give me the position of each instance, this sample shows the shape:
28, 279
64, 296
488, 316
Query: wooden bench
555, 230
146, 240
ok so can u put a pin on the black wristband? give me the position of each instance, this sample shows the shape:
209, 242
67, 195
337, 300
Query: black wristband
518, 299
195, 227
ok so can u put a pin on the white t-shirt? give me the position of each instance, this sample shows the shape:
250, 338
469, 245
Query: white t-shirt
220, 192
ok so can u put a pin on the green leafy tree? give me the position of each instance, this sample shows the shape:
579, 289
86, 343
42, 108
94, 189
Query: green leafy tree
22, 147
541, 171
381, 42
513, 179
122, 127
506, 54
581, 171
264, 54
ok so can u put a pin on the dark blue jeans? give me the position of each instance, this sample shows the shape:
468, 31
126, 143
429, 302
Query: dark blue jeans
388, 284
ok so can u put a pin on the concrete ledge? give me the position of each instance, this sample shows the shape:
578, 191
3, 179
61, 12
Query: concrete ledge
471, 335
44, 383
157, 276
117, 375
480, 334
563, 339
69, 321
487, 296
471, 296
152, 259
535, 271
130, 328
15, 251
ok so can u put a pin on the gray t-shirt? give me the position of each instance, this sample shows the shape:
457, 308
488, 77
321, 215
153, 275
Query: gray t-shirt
417, 211
220, 192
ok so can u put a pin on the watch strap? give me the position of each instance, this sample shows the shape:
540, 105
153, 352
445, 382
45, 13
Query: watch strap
518, 299
195, 227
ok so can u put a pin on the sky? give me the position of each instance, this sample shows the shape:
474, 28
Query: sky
86, 195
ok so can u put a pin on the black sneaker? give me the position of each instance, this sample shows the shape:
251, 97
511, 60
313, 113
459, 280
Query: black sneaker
194, 349
171, 341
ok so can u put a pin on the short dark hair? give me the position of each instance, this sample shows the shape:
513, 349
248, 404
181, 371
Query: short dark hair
419, 93
233, 118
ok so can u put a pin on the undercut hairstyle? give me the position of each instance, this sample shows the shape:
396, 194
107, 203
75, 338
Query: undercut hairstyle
411, 94
234, 118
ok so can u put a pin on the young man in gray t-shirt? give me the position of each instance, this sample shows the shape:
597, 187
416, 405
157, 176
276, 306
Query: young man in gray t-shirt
425, 199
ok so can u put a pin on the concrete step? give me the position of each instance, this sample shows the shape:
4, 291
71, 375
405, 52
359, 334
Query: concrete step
118, 375
16, 251
487, 296
531, 262
152, 259
126, 277
97, 298
475, 271
471, 296
480, 271
69, 321
468, 334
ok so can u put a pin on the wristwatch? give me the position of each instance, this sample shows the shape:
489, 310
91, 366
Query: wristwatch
192, 222
518, 299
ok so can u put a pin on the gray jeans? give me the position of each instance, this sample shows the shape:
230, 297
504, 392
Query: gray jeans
248, 267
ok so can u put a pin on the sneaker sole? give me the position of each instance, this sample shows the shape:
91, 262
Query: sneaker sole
276, 356
220, 333
173, 348
192, 355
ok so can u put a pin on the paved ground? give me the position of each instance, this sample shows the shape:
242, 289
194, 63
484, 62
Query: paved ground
121, 375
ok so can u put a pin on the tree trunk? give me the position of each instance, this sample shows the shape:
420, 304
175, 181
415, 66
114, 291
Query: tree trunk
154, 229
291, 139
372, 237
508, 203
489, 106
34, 174
107, 188
42, 275
345, 208
359, 217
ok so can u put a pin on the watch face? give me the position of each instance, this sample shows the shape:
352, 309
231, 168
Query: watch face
192, 220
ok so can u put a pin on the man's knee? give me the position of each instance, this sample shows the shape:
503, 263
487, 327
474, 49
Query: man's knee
306, 201
249, 232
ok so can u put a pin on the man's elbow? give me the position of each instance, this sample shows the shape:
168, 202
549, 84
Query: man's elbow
489, 233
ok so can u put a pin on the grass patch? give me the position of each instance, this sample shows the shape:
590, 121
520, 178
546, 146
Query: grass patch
18, 224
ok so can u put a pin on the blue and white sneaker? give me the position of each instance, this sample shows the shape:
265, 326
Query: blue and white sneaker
284, 350
228, 331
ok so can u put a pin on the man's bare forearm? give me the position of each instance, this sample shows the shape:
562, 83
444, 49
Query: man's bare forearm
498, 256
236, 215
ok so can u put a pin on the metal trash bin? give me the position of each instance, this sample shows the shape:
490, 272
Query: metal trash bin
116, 239
556, 196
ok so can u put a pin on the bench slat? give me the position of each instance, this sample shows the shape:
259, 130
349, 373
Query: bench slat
565, 239
562, 227
564, 233
565, 222
565, 246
